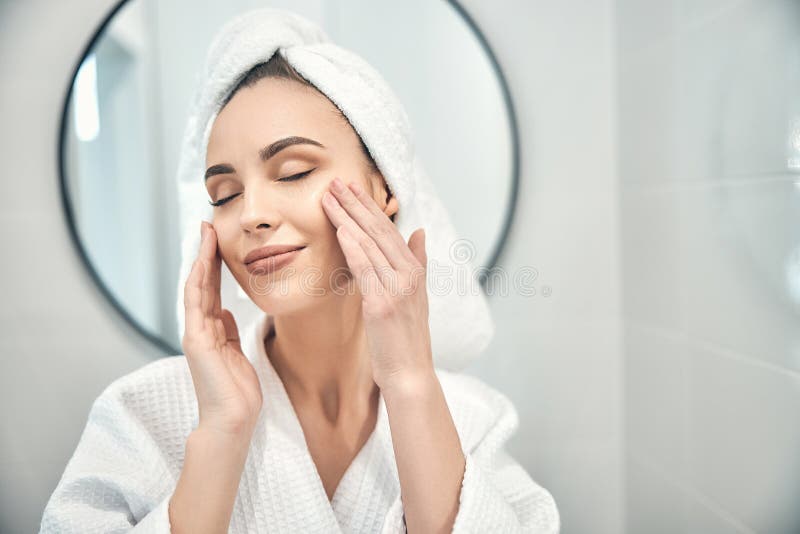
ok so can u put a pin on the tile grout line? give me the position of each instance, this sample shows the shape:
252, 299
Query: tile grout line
713, 348
701, 498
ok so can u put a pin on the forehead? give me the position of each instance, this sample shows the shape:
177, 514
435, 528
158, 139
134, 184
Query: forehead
271, 109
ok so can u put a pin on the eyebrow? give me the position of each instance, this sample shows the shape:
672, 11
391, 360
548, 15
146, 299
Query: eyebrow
265, 153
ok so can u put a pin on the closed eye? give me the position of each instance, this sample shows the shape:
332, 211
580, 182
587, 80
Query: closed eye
296, 176
291, 178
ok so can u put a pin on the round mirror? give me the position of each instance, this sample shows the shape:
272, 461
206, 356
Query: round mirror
128, 103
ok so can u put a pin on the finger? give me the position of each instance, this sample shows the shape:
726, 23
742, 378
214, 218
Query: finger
364, 273
216, 266
378, 226
390, 227
206, 256
373, 252
192, 299
385, 271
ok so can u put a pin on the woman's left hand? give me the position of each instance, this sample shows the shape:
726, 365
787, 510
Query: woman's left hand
391, 276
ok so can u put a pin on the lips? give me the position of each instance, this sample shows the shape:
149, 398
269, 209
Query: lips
269, 250
270, 258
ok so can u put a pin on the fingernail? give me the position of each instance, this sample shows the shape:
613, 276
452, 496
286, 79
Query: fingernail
338, 185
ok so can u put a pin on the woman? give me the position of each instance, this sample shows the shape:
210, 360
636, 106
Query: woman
328, 414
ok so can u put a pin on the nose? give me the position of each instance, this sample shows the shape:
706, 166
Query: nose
257, 213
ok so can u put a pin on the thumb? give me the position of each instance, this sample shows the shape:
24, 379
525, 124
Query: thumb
231, 329
416, 242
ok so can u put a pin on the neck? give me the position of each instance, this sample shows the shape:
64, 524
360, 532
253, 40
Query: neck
321, 356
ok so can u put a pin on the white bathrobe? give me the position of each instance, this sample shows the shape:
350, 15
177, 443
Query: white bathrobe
129, 457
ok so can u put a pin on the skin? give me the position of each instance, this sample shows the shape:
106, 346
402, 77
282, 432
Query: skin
332, 350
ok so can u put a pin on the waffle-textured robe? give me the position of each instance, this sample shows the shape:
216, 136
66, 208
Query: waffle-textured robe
129, 457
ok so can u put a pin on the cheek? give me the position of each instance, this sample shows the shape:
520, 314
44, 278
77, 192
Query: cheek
314, 213
314, 222
319, 228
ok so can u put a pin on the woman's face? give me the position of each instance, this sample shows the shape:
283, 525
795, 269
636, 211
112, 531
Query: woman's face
264, 209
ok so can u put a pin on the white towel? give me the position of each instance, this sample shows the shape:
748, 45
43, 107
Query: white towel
460, 322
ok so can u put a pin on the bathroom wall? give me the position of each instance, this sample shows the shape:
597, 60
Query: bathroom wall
708, 145
557, 354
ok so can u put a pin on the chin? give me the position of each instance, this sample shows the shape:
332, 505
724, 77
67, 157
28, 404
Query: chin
275, 298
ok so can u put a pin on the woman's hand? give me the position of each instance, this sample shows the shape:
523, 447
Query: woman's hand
391, 276
228, 390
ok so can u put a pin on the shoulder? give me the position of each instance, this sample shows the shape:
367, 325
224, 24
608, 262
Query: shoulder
480, 412
485, 419
153, 378
167, 380
157, 401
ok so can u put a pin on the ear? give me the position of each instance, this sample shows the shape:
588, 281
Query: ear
391, 207
389, 201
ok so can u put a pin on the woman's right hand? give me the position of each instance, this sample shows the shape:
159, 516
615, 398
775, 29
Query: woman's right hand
228, 390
